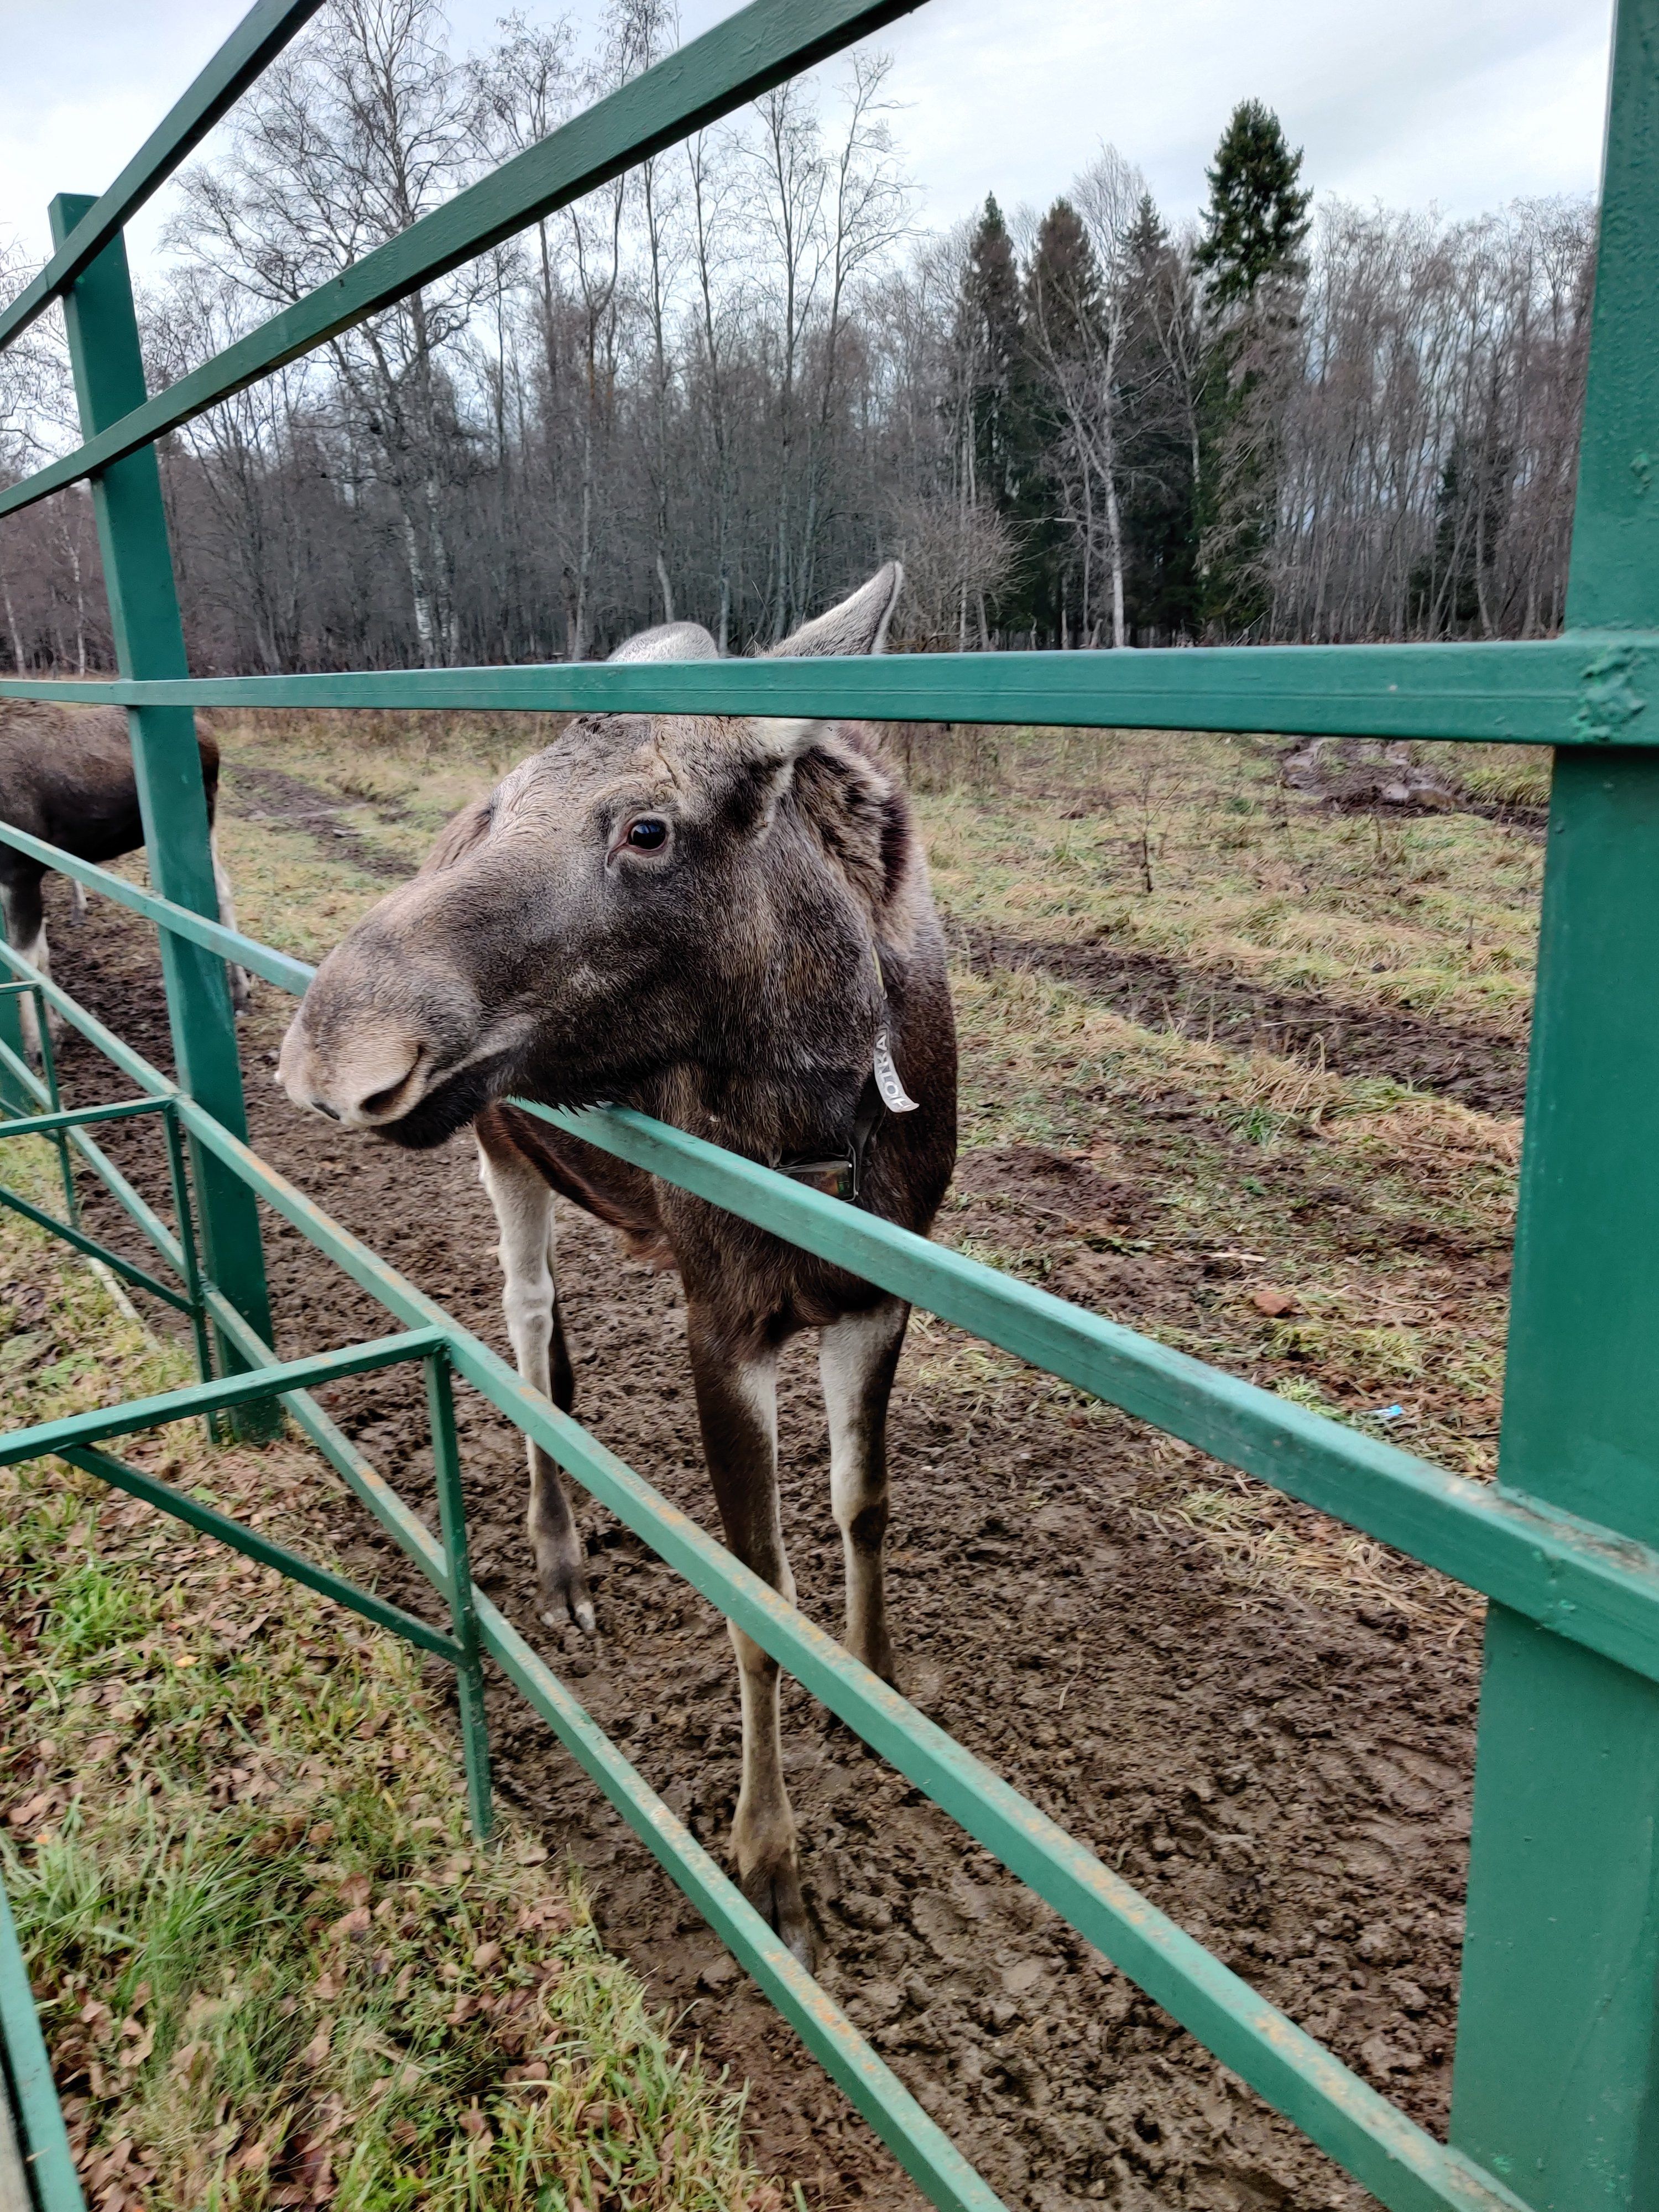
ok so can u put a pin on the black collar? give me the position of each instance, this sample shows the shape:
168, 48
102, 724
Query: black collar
849, 1163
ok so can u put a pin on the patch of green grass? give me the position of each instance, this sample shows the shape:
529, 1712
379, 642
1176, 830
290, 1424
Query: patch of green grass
271, 1965
287, 894
91, 1609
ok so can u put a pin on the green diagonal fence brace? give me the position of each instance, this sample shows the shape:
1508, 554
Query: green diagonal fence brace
32, 2119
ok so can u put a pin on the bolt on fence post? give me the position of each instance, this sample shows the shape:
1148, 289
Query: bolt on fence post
1556, 2085
452, 1523
150, 642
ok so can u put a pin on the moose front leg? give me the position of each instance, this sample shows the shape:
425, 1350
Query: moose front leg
26, 932
857, 1359
524, 1213
241, 989
737, 1407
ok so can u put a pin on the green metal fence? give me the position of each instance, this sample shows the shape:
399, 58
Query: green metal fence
1556, 2102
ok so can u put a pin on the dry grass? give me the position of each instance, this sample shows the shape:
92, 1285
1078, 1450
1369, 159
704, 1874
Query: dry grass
399, 777
1269, 1546
271, 1966
1186, 846
289, 895
1377, 1212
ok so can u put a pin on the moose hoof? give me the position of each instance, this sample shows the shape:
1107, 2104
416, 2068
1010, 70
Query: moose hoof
775, 1894
564, 1599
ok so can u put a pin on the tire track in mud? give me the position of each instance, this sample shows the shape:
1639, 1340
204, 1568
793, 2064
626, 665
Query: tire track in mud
1290, 1783
296, 806
1483, 1068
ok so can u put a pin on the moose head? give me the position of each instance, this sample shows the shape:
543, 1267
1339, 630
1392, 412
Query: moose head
650, 892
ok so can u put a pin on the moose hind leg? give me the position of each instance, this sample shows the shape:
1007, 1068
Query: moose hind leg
523, 1213
737, 1406
857, 1358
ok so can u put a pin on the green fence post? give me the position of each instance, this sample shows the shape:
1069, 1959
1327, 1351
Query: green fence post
149, 641
14, 1099
1557, 2077
452, 1523
185, 1219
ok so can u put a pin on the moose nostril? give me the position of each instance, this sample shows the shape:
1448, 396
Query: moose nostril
322, 1106
382, 1101
378, 1101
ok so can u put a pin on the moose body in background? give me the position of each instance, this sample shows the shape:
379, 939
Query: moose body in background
66, 776
713, 919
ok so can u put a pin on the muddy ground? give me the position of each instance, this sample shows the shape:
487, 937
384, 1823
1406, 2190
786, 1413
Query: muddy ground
1290, 1782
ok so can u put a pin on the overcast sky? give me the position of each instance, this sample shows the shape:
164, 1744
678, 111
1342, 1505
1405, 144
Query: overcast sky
1465, 104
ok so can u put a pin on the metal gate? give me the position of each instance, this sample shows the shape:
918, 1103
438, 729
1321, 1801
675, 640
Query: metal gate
1556, 2102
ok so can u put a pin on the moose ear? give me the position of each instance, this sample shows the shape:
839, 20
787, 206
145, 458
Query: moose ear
858, 625
669, 642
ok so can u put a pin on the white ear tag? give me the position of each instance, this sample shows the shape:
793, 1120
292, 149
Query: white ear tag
894, 1096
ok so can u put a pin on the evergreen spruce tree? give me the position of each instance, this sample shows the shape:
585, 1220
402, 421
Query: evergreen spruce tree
1064, 302
990, 335
990, 343
1160, 528
1249, 261
1257, 220
1063, 283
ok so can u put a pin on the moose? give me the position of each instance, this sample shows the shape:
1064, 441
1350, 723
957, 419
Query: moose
66, 776
727, 923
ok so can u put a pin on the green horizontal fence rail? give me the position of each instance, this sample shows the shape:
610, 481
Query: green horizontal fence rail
1556, 2080
246, 55
737, 61
1552, 691
1588, 1584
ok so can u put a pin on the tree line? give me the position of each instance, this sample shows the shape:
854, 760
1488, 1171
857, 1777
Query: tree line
725, 385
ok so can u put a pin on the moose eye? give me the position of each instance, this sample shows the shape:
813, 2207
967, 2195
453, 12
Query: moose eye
648, 835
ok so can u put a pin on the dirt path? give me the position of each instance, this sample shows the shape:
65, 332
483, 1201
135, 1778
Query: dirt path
1292, 1783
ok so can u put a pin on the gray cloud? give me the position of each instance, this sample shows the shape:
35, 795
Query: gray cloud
1466, 105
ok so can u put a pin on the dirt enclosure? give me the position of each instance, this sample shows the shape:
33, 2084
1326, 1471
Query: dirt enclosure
1266, 1728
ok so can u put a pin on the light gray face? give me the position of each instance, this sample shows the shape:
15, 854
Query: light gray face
601, 916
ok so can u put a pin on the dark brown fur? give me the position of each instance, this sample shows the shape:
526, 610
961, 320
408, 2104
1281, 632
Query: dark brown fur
731, 985
66, 776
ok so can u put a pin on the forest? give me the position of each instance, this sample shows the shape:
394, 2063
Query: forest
725, 385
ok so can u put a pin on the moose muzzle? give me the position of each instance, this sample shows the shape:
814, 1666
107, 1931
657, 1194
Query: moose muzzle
390, 1040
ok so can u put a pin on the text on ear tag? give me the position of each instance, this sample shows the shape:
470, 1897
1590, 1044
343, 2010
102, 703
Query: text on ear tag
894, 1096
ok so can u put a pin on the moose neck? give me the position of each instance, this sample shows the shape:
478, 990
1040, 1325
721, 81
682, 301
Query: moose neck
786, 1053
